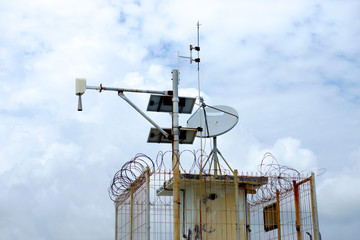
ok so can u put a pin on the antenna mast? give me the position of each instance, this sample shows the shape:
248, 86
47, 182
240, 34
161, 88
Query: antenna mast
197, 60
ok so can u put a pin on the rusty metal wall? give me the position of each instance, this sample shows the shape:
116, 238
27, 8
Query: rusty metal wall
209, 210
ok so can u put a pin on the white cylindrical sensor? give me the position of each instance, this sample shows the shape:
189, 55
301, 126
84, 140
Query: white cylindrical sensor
80, 86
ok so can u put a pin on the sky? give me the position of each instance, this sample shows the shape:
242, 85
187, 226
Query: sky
291, 69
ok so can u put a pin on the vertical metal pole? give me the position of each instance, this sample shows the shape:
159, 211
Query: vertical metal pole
236, 183
242, 213
278, 213
247, 225
147, 203
131, 211
216, 159
297, 210
248, 230
176, 156
116, 219
314, 208
241, 209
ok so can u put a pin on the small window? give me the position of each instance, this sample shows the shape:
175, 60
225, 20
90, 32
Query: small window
270, 217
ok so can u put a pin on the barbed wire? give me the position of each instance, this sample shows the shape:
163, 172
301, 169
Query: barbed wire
132, 174
125, 178
280, 178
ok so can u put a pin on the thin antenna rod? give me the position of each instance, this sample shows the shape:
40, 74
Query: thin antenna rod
198, 43
198, 70
201, 137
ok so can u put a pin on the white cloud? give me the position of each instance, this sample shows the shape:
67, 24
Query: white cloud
289, 68
339, 198
245, 152
288, 152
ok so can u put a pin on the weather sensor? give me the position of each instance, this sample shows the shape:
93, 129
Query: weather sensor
80, 87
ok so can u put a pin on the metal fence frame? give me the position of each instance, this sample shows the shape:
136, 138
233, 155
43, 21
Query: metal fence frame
141, 214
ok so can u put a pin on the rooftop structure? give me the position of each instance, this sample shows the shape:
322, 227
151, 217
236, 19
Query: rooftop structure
216, 206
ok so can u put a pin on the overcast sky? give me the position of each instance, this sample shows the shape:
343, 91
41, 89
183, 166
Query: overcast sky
291, 69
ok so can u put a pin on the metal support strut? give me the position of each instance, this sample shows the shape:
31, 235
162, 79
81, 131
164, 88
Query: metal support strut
121, 94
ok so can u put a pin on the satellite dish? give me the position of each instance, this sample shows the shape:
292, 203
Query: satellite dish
216, 121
